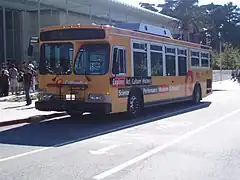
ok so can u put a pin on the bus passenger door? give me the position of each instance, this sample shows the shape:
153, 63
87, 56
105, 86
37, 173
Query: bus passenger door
182, 71
119, 72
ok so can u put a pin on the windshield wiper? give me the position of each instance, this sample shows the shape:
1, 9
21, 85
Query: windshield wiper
54, 79
85, 74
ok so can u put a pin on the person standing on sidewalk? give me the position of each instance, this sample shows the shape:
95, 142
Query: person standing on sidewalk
13, 75
4, 81
1, 83
27, 81
34, 74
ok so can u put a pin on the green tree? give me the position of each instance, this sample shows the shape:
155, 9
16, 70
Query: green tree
216, 23
215, 60
230, 58
151, 7
186, 11
203, 21
225, 22
193, 19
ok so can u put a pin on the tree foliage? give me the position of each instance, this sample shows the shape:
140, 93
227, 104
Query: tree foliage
209, 24
230, 58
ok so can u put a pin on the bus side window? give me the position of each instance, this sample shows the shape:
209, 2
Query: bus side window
170, 55
195, 59
119, 61
182, 62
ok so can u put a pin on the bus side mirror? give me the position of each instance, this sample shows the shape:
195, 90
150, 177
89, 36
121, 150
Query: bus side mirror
30, 50
32, 40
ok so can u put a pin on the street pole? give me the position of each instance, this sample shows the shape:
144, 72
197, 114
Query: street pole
220, 55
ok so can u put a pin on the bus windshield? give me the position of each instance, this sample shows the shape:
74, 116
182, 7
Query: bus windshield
56, 58
92, 59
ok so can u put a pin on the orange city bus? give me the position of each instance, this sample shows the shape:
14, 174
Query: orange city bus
106, 69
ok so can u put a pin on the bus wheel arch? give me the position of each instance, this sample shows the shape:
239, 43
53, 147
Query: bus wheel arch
197, 93
135, 103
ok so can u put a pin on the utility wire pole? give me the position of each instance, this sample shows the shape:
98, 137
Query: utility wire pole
220, 51
220, 55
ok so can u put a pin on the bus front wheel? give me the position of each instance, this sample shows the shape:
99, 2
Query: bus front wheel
135, 104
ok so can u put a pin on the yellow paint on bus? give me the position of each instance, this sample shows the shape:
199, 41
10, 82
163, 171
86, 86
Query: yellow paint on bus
164, 70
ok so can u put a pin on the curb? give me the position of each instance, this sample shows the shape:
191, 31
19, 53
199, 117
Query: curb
13, 98
31, 119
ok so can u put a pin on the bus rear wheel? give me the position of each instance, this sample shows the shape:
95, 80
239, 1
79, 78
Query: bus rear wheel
135, 104
74, 114
197, 95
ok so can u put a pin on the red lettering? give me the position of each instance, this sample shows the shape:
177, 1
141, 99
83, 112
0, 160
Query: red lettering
118, 81
163, 88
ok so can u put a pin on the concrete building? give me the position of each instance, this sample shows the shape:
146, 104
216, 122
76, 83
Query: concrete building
21, 19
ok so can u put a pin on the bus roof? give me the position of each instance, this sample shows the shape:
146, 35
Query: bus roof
129, 33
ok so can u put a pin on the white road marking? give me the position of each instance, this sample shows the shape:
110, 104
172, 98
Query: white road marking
104, 150
101, 133
25, 154
166, 124
160, 148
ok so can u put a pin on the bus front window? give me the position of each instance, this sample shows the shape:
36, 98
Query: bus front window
92, 59
56, 58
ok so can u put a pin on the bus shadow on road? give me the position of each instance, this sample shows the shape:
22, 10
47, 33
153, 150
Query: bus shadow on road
216, 90
67, 130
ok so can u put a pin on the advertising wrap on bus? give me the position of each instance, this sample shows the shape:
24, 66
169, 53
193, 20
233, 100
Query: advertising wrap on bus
104, 69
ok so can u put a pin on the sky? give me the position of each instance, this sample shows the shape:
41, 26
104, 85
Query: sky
136, 2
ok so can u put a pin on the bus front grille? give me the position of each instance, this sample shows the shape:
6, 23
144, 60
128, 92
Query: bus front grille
74, 92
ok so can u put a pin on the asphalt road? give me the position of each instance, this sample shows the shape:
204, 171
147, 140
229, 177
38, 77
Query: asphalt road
180, 142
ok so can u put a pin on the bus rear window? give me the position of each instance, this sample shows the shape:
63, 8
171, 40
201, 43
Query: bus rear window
73, 34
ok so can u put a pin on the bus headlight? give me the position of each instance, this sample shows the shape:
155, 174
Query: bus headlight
70, 97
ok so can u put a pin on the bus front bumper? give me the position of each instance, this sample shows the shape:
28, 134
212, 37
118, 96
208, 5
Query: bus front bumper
73, 106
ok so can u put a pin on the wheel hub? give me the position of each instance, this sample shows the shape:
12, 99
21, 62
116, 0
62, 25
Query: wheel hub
134, 105
197, 96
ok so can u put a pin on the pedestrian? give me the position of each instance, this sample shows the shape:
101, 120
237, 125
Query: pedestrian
27, 81
1, 82
5, 81
13, 76
20, 82
233, 75
34, 74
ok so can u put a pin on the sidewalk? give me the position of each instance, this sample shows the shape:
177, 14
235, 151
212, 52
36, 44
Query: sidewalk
17, 112
17, 98
225, 85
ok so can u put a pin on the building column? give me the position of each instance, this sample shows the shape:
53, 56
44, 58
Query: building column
67, 12
90, 12
13, 36
23, 35
38, 17
4, 36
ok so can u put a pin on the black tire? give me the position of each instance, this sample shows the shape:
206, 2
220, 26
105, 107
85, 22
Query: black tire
135, 104
74, 114
197, 95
